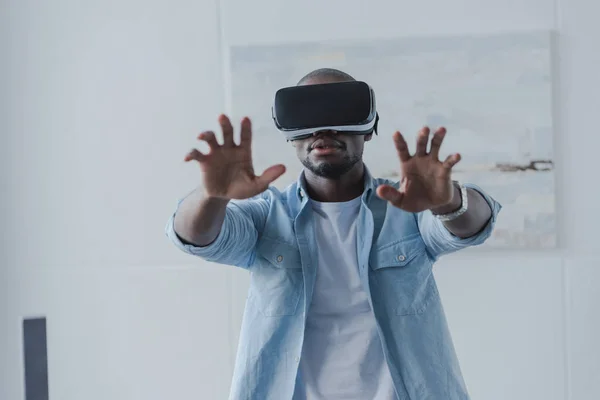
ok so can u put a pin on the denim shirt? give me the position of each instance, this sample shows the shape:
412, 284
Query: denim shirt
272, 236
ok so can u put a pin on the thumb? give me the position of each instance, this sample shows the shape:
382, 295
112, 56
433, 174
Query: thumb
270, 174
390, 194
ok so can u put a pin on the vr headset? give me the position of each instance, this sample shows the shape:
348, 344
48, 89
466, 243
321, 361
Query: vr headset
346, 107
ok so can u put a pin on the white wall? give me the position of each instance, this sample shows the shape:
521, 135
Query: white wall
106, 98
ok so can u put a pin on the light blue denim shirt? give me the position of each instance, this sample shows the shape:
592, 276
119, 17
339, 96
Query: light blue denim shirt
272, 236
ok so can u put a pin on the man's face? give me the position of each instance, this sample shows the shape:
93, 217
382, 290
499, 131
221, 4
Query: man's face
329, 154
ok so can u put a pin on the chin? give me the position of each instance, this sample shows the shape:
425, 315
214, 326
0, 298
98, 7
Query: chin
328, 170
331, 167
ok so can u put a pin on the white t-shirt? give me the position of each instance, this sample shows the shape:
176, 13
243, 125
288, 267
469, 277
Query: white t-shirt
342, 355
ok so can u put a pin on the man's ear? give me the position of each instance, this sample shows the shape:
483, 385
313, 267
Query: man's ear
368, 137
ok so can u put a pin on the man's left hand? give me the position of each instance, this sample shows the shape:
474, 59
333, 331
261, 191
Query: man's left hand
426, 182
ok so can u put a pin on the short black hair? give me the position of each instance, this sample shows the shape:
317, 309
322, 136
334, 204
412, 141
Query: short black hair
326, 73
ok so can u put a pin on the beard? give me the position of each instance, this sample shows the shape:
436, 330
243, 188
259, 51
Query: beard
330, 170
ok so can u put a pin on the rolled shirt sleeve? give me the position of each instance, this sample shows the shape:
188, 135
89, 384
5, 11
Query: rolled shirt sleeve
440, 240
236, 243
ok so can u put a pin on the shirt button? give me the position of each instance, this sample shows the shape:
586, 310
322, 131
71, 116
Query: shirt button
297, 359
279, 258
401, 257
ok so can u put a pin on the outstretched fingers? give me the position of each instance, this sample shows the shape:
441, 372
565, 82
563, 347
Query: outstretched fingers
422, 141
270, 174
246, 133
422, 144
210, 138
436, 143
194, 154
401, 147
451, 160
227, 129
391, 194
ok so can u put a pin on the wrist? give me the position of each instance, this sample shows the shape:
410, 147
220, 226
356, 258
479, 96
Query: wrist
215, 200
453, 205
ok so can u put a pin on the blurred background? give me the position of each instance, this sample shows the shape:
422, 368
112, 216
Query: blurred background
99, 103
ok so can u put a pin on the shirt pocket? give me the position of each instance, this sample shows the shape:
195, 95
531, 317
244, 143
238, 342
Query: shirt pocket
401, 276
276, 282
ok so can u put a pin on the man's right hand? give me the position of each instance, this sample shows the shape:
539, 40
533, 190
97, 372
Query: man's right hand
227, 168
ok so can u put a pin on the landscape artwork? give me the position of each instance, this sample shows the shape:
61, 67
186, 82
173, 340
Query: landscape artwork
492, 93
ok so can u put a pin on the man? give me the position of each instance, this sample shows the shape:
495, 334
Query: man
342, 301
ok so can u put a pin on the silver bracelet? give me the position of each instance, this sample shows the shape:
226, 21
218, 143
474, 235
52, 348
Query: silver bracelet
463, 208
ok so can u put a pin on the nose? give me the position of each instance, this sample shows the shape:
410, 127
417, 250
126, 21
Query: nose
325, 132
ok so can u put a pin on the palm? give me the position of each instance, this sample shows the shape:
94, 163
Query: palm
426, 181
228, 173
227, 169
